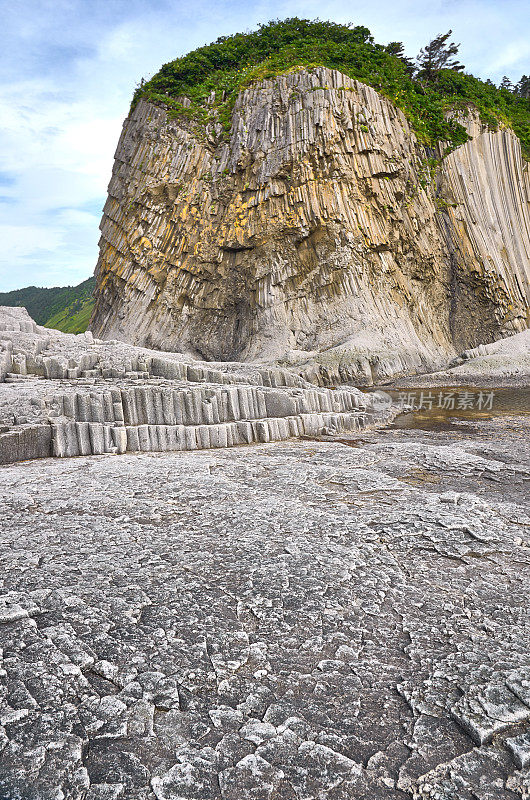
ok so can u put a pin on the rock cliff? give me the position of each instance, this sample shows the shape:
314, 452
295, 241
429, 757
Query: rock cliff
321, 234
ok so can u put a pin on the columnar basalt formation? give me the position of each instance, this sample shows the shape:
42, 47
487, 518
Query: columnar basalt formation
318, 234
66, 395
487, 189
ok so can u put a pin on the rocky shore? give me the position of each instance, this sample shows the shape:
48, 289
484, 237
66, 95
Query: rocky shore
289, 620
340, 617
505, 362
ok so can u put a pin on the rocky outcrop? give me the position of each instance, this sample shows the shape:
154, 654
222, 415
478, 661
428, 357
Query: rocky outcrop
486, 186
66, 395
503, 360
319, 234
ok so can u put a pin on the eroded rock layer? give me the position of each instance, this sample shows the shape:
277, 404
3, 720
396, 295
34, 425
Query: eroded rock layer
318, 233
67, 395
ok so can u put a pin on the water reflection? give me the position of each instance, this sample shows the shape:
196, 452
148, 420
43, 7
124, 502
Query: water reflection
449, 408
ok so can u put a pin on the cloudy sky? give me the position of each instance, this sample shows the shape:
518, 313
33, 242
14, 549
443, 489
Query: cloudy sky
68, 69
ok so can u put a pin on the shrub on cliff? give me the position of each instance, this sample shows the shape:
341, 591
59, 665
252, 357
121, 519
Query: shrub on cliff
212, 76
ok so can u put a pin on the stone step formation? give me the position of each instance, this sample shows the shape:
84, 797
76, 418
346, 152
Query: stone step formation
70, 395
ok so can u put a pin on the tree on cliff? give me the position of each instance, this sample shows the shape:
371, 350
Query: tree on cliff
397, 49
437, 55
523, 86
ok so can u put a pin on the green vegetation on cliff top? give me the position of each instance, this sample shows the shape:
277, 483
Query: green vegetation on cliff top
230, 64
66, 308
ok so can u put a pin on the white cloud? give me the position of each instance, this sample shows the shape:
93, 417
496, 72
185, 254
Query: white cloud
511, 56
57, 154
23, 240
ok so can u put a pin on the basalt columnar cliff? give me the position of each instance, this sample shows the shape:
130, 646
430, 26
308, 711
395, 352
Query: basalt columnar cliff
320, 232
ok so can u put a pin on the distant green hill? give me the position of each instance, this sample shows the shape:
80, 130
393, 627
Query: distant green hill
67, 308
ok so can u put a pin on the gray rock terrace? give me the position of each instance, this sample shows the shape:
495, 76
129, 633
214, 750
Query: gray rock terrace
67, 395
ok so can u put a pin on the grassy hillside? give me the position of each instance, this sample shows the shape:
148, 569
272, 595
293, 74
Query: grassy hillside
67, 308
228, 65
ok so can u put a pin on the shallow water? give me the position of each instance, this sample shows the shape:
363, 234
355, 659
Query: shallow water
450, 408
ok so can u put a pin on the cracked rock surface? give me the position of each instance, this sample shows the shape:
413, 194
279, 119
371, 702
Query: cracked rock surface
298, 620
